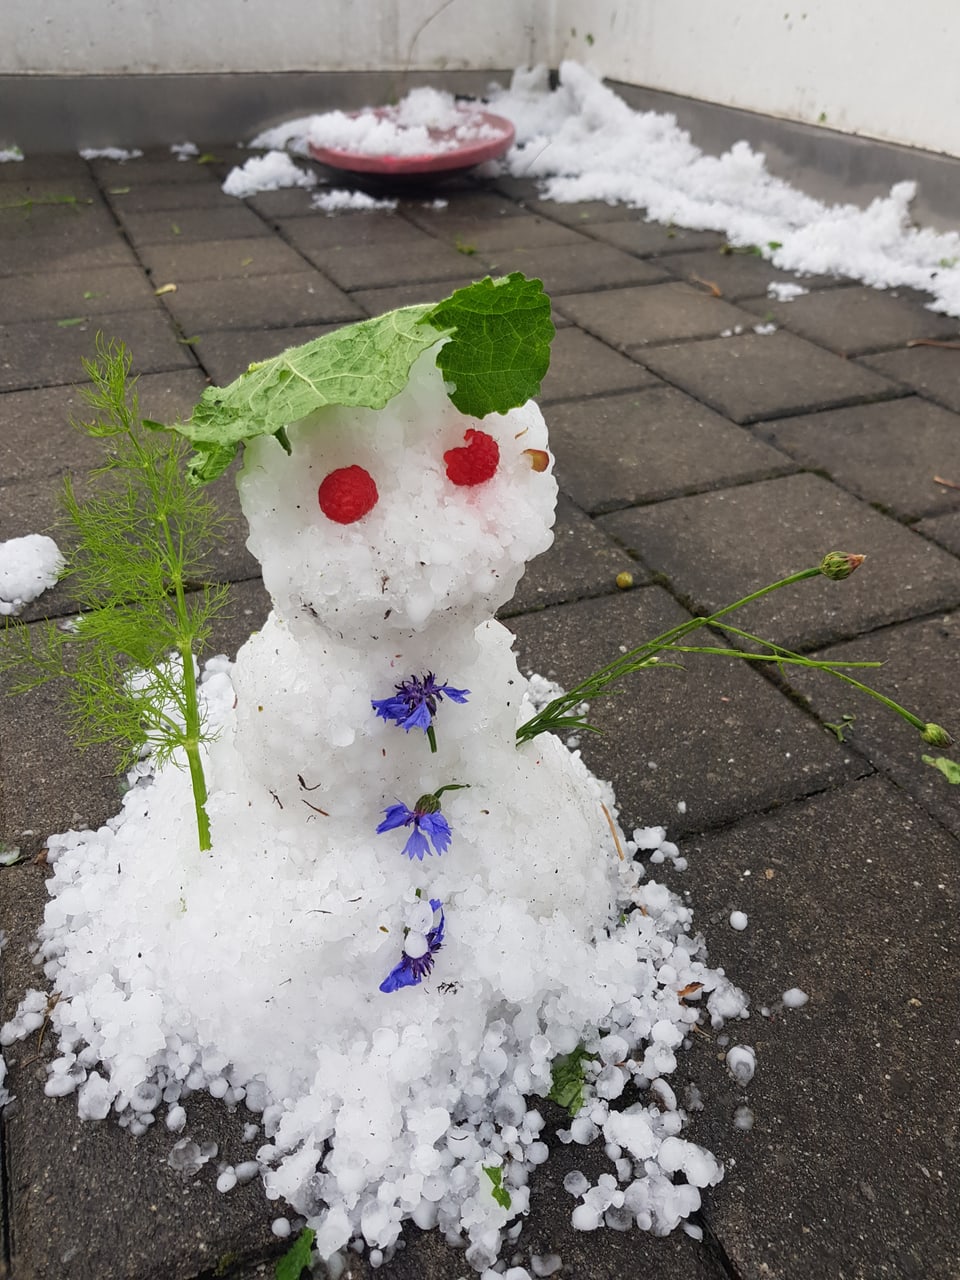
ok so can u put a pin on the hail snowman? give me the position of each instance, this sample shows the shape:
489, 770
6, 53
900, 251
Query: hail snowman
377, 710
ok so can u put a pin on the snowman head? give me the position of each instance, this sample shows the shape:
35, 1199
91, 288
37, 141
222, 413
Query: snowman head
384, 521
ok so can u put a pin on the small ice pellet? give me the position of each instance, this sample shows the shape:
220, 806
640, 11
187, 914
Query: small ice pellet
743, 1118
250, 1131
545, 1264
227, 1180
741, 1063
794, 998
247, 1171
575, 1183
280, 1227
681, 806
584, 1218
738, 920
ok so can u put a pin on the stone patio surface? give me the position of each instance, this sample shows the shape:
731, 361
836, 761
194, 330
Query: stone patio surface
706, 459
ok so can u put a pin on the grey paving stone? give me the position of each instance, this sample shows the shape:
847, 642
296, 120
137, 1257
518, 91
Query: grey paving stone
582, 213
574, 267
376, 301
51, 192
584, 366
647, 238
55, 295
717, 547
50, 786
277, 300
65, 248
157, 197
855, 319
752, 377
370, 266
155, 166
35, 167
614, 451
506, 234
582, 562
84, 221
887, 453
943, 529
931, 371
921, 671
43, 354
36, 436
852, 897
463, 209
736, 275
715, 736
177, 226
227, 353
219, 259
348, 231
292, 202
634, 317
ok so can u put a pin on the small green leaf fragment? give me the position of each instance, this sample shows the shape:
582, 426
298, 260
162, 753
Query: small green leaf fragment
10, 857
118, 191
844, 724
500, 1193
71, 322
175, 228
245, 262
189, 342
89, 293
568, 1079
297, 1257
949, 768
500, 348
207, 158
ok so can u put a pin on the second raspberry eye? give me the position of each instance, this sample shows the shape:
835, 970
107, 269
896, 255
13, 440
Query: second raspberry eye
475, 461
347, 494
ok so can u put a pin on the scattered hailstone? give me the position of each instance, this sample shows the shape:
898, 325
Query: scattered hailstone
741, 1063
764, 330
110, 153
184, 150
269, 172
28, 567
743, 1118
794, 998
10, 154
337, 200
738, 920
785, 290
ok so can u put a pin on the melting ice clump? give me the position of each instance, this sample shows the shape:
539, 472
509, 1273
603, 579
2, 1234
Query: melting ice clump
254, 970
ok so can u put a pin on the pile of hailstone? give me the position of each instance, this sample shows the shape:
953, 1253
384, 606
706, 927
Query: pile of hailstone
389, 946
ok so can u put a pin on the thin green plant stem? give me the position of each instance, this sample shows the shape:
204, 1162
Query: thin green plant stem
557, 714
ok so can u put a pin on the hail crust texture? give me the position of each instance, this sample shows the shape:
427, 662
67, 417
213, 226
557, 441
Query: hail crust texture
254, 970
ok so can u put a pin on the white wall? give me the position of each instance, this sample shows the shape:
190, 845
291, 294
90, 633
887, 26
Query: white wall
885, 69
76, 37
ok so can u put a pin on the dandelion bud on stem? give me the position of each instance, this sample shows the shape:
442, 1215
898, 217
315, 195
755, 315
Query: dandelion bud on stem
936, 735
837, 565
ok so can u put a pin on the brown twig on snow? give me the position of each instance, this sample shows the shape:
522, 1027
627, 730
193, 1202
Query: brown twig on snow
613, 831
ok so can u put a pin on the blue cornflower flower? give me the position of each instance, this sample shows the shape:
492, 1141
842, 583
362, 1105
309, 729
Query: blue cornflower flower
413, 969
427, 821
415, 703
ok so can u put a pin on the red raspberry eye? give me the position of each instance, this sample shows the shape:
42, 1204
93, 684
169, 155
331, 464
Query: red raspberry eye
474, 462
347, 494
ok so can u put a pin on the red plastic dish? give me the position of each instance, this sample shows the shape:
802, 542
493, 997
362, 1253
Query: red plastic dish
463, 156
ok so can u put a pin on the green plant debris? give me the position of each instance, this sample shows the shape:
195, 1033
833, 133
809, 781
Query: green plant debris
31, 202
10, 857
297, 1257
498, 351
589, 38
949, 768
71, 322
842, 727
499, 1192
225, 1263
175, 228
118, 191
90, 293
207, 158
138, 554
246, 262
462, 247
568, 1079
